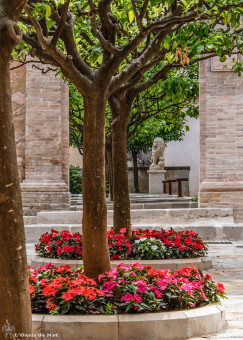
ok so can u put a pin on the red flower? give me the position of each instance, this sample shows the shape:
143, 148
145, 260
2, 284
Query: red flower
59, 251
181, 248
177, 242
49, 291
79, 250
207, 276
220, 288
188, 241
68, 249
167, 242
32, 289
61, 269
195, 245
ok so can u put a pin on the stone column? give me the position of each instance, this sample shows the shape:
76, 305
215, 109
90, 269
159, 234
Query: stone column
155, 181
45, 184
221, 137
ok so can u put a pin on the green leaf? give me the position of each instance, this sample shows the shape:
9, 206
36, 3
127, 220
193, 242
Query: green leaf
50, 23
48, 11
100, 58
222, 59
130, 16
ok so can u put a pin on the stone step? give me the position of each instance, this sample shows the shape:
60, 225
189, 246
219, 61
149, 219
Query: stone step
159, 205
147, 216
219, 232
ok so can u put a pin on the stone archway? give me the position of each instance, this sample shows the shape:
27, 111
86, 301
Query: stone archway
40, 109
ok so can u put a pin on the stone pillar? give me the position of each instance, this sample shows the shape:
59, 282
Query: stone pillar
221, 137
155, 181
45, 179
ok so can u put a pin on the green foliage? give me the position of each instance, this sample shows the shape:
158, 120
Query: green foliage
200, 34
163, 109
75, 180
148, 248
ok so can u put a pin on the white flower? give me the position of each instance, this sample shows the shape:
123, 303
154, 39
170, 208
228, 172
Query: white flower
137, 241
142, 239
154, 247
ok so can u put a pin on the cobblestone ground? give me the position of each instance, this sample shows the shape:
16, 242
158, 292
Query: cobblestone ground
228, 269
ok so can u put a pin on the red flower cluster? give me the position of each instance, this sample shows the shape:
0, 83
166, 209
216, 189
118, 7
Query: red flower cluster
58, 285
118, 245
184, 244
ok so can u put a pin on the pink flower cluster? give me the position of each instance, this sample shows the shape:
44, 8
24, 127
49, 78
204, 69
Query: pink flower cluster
126, 288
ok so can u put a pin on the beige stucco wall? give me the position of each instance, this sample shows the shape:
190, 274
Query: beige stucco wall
74, 157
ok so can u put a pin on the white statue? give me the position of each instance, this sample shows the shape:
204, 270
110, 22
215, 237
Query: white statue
157, 159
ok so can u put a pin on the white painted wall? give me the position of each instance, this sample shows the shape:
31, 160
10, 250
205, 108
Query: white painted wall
74, 157
186, 153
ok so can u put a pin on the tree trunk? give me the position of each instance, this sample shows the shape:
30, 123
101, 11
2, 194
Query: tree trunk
121, 217
109, 167
14, 283
135, 170
95, 245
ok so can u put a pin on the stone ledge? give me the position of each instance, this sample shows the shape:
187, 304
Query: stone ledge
202, 263
176, 325
142, 216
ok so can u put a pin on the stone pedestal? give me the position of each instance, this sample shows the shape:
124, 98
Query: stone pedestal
221, 138
155, 181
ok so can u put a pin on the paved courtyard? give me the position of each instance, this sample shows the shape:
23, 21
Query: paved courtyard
228, 269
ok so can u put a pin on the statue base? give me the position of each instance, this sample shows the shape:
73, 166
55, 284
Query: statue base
155, 181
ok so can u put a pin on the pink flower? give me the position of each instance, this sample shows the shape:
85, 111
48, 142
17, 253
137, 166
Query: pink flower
138, 265
112, 273
108, 286
142, 286
137, 298
156, 291
127, 297
123, 230
132, 273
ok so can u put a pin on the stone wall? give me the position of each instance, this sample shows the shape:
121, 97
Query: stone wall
221, 138
40, 107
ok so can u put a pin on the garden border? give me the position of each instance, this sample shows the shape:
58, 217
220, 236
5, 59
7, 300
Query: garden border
202, 263
176, 325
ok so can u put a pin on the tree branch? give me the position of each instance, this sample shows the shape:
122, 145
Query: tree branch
138, 19
62, 23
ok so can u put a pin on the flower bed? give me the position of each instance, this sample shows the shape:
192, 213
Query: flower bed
145, 244
125, 289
